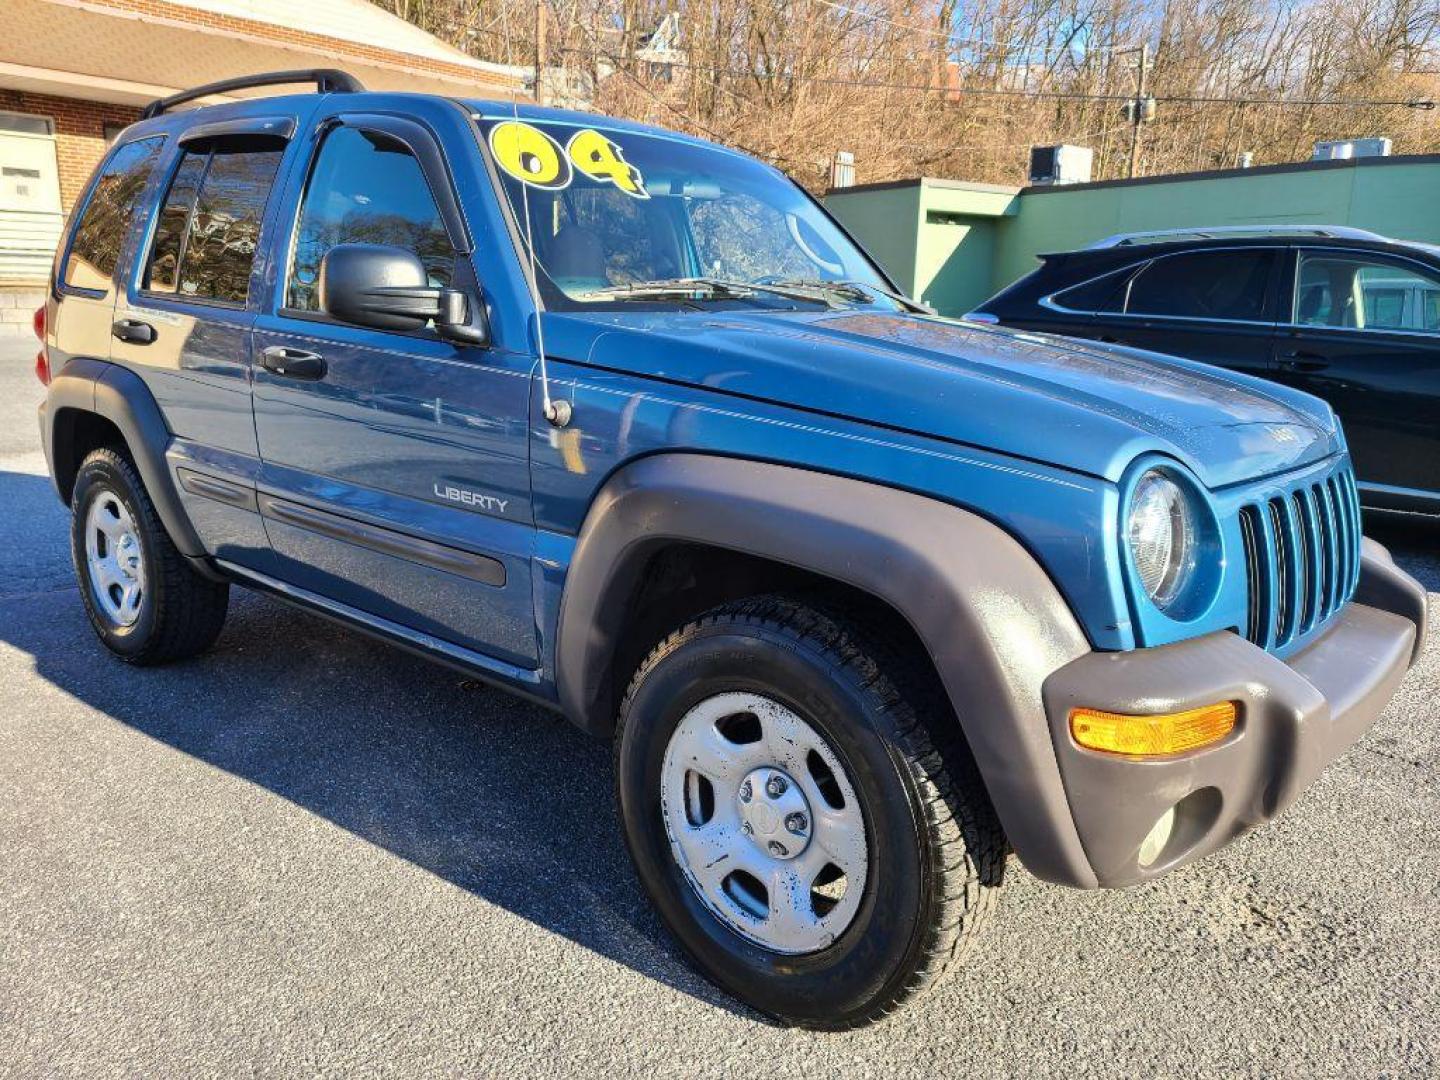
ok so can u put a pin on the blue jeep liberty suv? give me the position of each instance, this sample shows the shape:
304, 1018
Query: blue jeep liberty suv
622, 421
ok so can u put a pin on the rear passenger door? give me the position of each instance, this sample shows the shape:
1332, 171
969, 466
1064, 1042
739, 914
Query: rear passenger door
1216, 306
183, 321
395, 473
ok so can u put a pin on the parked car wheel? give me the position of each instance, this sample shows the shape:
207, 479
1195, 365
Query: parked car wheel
146, 602
808, 823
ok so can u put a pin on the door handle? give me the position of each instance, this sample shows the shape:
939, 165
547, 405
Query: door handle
133, 331
293, 363
1302, 360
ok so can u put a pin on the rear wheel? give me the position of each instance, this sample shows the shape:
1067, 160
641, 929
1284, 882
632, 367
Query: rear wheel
815, 846
145, 601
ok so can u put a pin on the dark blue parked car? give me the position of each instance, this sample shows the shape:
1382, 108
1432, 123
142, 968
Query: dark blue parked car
623, 422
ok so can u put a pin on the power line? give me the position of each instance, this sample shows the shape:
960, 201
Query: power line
941, 35
1039, 95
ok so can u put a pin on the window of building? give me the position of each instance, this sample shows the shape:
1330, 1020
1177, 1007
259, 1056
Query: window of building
209, 227
25, 124
1205, 285
1353, 292
366, 188
108, 214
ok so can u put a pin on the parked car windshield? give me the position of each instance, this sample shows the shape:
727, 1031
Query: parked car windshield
618, 217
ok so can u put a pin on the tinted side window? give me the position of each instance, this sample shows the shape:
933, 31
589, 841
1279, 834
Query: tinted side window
1103, 294
209, 227
174, 221
1365, 294
1204, 285
95, 249
366, 188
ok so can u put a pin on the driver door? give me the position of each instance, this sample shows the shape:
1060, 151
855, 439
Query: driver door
394, 474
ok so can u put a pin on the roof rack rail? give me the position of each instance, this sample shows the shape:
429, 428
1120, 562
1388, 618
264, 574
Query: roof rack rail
326, 80
1161, 236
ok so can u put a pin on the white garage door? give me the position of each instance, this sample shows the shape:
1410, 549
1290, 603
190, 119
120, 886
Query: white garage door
30, 215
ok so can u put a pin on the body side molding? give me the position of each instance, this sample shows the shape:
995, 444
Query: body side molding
993, 622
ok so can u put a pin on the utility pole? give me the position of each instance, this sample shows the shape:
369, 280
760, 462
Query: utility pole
1139, 108
541, 11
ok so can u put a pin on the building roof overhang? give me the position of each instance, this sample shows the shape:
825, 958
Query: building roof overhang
118, 51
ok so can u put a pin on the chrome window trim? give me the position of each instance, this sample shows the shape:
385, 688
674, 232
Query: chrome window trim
1354, 254
1139, 267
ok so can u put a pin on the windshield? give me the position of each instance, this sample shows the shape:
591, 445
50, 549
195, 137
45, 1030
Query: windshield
620, 217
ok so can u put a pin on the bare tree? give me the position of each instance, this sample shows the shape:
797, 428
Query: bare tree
963, 88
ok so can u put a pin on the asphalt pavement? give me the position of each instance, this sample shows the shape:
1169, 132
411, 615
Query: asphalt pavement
309, 853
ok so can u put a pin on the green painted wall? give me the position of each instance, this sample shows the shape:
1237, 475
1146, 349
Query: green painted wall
971, 240
936, 238
886, 221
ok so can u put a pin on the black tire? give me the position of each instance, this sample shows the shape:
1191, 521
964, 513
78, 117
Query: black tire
180, 612
937, 852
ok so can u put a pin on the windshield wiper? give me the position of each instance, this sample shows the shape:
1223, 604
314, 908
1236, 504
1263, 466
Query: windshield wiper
706, 288
790, 290
687, 287
859, 291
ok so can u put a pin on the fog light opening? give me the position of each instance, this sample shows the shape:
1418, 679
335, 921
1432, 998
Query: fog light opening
1157, 839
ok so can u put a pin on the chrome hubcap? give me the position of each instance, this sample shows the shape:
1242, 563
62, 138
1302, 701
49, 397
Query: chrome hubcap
114, 559
764, 823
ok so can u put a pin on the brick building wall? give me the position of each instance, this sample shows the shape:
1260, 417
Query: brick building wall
79, 133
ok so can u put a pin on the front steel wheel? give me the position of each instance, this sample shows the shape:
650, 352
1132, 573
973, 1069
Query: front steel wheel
803, 813
764, 822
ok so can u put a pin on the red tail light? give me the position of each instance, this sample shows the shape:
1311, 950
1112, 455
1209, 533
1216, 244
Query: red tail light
42, 361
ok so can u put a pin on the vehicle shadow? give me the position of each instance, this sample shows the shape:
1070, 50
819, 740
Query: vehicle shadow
494, 795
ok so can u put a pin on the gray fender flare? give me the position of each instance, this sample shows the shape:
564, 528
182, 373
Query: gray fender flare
992, 620
120, 396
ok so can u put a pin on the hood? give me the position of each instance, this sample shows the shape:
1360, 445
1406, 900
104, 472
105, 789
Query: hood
1082, 406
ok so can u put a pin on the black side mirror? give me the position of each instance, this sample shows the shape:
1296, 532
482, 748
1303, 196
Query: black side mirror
386, 288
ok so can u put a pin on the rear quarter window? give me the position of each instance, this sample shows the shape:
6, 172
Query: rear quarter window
1102, 294
110, 210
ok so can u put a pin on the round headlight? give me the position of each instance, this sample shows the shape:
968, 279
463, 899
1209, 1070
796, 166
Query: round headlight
1161, 530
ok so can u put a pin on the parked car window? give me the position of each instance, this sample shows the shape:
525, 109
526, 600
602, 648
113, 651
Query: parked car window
1104, 294
1357, 293
95, 251
366, 188
209, 226
1204, 285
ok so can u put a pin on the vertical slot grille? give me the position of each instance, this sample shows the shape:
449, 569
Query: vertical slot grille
1251, 536
1302, 558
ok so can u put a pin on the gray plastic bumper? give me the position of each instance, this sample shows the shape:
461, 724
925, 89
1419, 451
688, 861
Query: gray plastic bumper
1296, 716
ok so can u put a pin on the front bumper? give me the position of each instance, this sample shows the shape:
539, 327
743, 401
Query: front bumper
1296, 716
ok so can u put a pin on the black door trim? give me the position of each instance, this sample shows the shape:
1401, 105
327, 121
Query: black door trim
481, 568
221, 491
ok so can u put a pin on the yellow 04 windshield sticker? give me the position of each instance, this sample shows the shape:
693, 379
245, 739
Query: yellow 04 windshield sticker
600, 159
529, 155
533, 157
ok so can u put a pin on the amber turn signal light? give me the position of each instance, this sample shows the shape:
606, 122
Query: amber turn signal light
1153, 736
